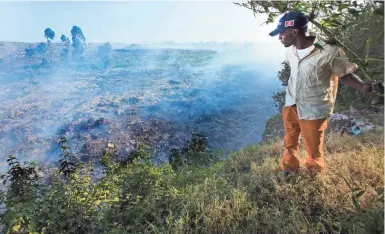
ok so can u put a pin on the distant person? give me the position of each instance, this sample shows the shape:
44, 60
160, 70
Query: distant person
311, 91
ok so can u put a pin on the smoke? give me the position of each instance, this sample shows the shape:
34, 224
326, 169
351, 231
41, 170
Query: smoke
156, 94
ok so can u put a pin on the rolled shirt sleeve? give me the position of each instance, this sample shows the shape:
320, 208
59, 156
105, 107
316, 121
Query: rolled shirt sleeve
341, 65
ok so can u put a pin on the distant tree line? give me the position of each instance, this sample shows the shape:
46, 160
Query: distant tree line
78, 42
78, 45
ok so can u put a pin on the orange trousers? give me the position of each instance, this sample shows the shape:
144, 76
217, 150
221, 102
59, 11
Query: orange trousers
313, 132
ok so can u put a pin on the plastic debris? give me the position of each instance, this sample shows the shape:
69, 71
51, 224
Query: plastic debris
359, 126
355, 130
339, 117
351, 121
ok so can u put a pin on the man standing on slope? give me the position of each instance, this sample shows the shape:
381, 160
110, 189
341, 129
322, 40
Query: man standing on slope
311, 90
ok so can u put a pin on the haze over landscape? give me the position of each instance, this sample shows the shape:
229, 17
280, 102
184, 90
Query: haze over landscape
167, 117
171, 69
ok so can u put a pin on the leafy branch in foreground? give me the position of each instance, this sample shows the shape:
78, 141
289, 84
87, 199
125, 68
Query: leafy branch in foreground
20, 195
242, 194
331, 18
67, 159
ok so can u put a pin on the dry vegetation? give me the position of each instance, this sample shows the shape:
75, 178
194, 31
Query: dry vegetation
243, 194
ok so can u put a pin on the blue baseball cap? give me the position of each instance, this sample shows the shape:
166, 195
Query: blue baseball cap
292, 19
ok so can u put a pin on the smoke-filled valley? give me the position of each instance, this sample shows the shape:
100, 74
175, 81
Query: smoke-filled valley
120, 95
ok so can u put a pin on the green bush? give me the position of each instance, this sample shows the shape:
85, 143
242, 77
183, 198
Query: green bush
242, 194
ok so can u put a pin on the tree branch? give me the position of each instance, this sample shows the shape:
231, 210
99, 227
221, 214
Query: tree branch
325, 30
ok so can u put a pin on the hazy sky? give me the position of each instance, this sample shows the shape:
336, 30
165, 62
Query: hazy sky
133, 22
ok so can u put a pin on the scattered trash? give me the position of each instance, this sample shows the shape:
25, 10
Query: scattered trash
339, 117
359, 126
351, 122
355, 130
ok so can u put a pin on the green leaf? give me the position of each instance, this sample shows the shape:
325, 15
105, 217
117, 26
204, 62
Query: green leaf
356, 204
358, 195
10, 158
353, 12
343, 6
373, 59
368, 42
270, 19
317, 45
336, 22
16, 228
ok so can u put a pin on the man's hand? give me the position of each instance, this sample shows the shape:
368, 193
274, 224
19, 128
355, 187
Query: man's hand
355, 82
375, 87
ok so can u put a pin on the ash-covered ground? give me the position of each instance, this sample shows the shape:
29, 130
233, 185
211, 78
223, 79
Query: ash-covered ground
136, 93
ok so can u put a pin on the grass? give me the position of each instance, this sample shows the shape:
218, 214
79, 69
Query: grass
306, 204
243, 194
